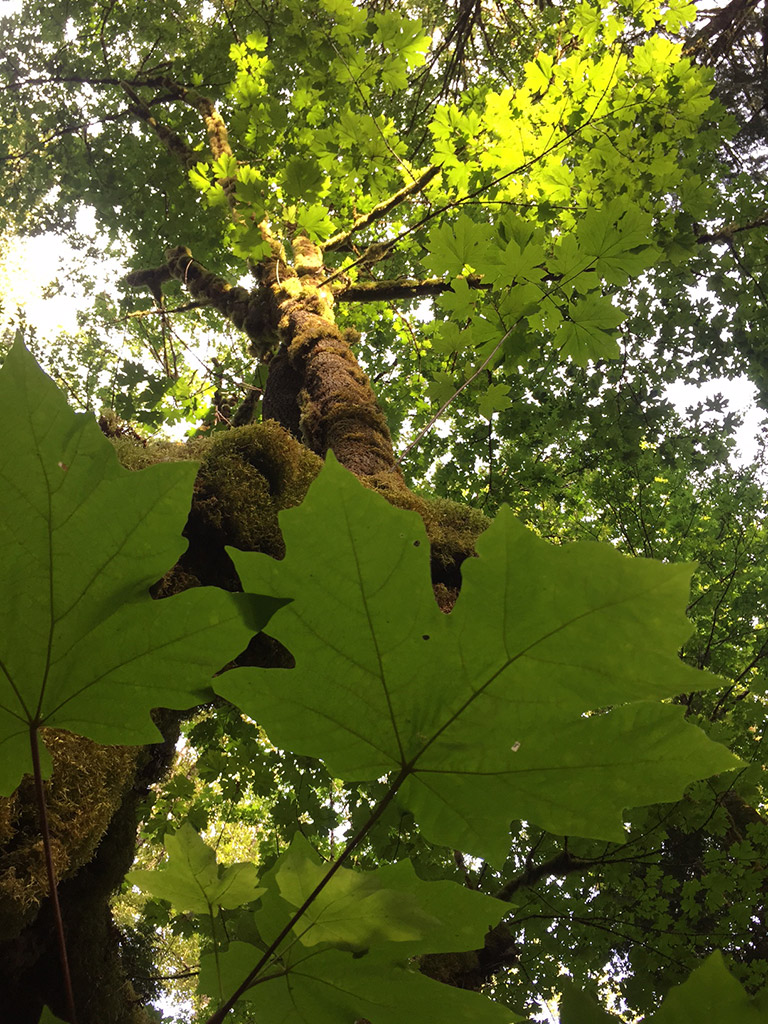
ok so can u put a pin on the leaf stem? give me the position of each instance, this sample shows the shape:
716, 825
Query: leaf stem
52, 886
219, 1016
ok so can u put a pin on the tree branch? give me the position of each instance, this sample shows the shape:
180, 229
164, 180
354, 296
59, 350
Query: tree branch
421, 288
201, 304
342, 238
218, 137
722, 29
563, 863
174, 143
403, 288
726, 233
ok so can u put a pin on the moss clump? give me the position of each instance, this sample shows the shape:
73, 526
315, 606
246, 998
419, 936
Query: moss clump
141, 454
247, 476
85, 789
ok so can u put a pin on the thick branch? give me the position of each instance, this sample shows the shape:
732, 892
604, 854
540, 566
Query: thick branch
337, 408
174, 143
720, 32
218, 138
421, 288
341, 240
247, 310
563, 863
402, 288
201, 304
726, 233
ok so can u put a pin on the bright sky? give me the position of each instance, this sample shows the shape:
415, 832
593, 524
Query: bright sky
27, 268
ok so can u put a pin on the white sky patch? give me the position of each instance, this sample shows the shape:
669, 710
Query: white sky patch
29, 266
176, 1009
741, 396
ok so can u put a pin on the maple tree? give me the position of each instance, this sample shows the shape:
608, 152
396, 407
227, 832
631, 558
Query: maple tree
454, 739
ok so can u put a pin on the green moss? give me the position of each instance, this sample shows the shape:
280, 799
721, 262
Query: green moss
138, 455
247, 476
452, 530
85, 789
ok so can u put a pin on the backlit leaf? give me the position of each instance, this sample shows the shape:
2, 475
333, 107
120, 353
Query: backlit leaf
495, 711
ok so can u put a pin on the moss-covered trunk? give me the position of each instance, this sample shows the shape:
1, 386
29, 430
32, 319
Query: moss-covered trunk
315, 388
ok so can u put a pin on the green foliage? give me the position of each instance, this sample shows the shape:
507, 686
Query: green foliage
98, 654
192, 881
592, 245
382, 661
48, 1018
710, 992
497, 743
347, 950
321, 987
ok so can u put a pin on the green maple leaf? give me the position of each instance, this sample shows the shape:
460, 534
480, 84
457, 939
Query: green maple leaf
193, 882
494, 399
459, 301
710, 993
248, 243
354, 908
452, 247
329, 985
590, 332
314, 219
495, 711
303, 178
513, 262
83, 646
616, 238
354, 939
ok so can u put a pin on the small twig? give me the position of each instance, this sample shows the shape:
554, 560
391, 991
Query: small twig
52, 887
200, 304
456, 393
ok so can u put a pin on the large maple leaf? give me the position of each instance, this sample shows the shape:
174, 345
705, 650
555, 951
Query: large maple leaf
538, 697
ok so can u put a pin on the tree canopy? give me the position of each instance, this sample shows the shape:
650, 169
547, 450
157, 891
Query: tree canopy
424, 678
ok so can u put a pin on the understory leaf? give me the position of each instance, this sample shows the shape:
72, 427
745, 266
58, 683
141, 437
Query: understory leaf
360, 909
191, 879
48, 1017
710, 993
325, 986
350, 950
